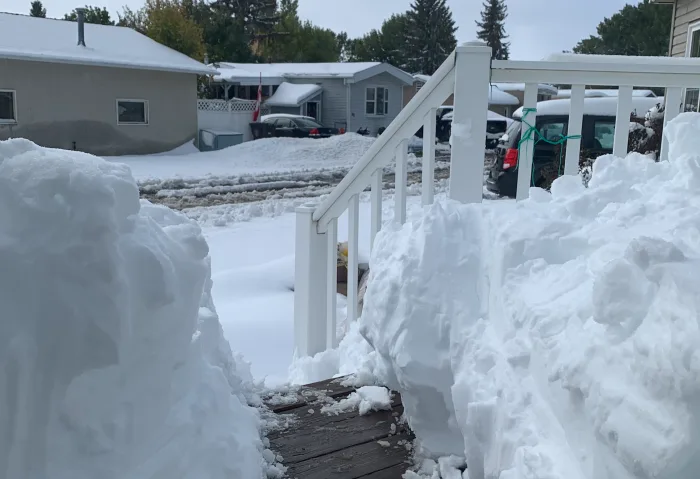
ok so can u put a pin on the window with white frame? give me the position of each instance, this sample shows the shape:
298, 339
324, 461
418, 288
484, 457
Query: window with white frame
8, 106
692, 50
132, 112
377, 101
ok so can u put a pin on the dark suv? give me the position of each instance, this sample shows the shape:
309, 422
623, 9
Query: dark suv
597, 137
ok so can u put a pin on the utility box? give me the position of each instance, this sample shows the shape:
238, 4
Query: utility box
211, 140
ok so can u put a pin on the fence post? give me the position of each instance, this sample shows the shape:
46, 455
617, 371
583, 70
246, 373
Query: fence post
471, 103
310, 284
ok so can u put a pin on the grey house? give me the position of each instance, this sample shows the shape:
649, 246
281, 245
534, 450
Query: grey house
685, 40
348, 95
111, 92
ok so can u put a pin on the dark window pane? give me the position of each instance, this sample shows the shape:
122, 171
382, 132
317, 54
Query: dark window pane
132, 112
369, 108
7, 105
695, 44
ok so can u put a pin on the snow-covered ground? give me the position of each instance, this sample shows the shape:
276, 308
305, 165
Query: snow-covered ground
268, 169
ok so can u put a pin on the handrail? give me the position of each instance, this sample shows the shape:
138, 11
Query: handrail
409, 120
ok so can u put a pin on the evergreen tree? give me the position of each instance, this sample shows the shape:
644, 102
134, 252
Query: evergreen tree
430, 35
96, 15
492, 29
37, 9
641, 29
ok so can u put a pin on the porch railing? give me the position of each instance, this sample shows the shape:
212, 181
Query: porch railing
467, 73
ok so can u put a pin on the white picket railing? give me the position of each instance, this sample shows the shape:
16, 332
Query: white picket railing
467, 73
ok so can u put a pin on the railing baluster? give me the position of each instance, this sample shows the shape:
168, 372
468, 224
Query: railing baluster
310, 284
622, 121
400, 180
573, 145
376, 205
527, 151
353, 250
332, 292
674, 100
428, 180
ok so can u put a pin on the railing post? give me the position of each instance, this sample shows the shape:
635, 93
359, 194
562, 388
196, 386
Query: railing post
573, 145
428, 176
674, 102
526, 151
310, 284
622, 120
472, 82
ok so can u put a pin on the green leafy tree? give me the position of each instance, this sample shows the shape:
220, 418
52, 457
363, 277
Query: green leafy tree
430, 35
642, 29
95, 15
492, 28
37, 9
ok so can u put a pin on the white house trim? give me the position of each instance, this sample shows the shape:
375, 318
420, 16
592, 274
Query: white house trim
383, 68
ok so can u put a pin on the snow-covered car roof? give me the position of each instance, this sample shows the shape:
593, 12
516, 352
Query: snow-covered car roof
604, 106
272, 116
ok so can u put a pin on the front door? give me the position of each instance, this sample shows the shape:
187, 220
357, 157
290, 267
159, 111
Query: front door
312, 110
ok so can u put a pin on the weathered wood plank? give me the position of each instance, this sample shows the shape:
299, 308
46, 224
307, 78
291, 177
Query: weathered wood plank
393, 472
363, 460
318, 434
310, 393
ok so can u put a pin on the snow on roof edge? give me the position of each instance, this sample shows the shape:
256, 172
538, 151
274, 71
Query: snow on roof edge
293, 94
67, 60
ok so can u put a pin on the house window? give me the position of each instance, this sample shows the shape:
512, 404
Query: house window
8, 106
377, 101
132, 112
692, 50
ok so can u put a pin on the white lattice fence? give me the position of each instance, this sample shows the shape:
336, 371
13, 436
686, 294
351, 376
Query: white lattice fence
235, 105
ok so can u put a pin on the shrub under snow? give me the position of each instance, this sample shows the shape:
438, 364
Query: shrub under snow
556, 337
112, 359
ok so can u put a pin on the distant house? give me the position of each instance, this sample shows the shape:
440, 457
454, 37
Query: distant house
117, 93
685, 40
343, 95
504, 98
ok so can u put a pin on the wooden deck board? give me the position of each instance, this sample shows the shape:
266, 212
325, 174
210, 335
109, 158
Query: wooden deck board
342, 446
355, 462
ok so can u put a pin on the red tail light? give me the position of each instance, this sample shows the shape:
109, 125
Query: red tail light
511, 159
314, 132
342, 130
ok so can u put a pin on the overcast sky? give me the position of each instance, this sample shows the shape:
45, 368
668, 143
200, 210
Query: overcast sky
536, 27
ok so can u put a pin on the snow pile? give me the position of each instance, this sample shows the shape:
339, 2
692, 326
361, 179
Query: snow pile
265, 156
112, 359
557, 337
366, 399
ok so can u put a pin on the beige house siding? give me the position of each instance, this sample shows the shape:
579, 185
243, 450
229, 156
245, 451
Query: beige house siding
74, 106
686, 13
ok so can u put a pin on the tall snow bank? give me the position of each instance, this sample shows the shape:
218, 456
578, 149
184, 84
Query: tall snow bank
557, 337
112, 358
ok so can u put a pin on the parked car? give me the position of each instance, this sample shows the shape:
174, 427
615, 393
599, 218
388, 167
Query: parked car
291, 126
597, 137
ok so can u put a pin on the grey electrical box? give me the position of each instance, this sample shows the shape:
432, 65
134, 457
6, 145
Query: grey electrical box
210, 140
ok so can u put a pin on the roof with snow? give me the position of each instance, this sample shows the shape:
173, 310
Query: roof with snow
421, 77
293, 94
499, 97
56, 41
276, 73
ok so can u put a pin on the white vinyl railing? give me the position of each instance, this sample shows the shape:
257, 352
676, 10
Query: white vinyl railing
467, 73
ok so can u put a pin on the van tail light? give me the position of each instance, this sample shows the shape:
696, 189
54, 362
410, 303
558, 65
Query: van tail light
511, 159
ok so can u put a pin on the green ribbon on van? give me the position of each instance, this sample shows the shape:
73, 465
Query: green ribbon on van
533, 132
